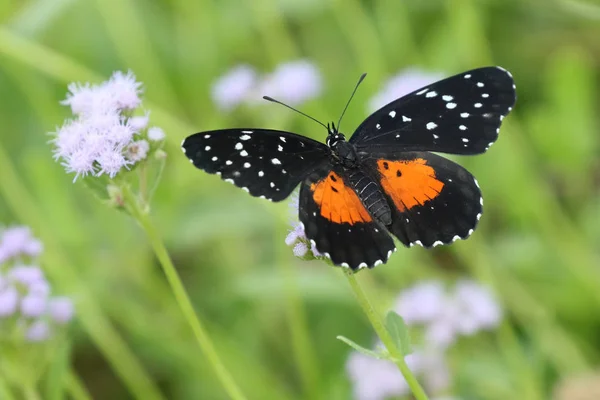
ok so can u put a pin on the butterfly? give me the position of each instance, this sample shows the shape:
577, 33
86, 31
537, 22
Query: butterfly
384, 180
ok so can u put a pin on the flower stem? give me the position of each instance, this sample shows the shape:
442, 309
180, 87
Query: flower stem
384, 335
181, 296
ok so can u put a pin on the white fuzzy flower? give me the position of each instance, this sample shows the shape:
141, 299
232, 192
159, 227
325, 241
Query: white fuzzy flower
137, 150
140, 122
125, 90
402, 84
293, 82
156, 134
233, 88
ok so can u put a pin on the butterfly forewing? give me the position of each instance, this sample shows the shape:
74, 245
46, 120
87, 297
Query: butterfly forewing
265, 163
458, 115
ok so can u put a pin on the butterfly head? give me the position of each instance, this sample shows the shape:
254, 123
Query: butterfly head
334, 136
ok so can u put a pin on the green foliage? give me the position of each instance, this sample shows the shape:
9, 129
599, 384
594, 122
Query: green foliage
537, 244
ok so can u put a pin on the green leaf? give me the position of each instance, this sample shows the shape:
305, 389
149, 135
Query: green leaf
367, 352
397, 328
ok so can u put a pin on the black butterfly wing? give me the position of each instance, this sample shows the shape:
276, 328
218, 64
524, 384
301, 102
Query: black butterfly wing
433, 200
461, 114
266, 163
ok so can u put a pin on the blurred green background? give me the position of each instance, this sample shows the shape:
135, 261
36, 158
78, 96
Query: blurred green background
274, 318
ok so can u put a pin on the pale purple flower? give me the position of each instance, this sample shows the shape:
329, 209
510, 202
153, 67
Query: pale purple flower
405, 82
421, 303
297, 237
16, 241
138, 150
375, 379
140, 122
38, 331
125, 90
156, 134
480, 303
61, 309
9, 300
234, 87
295, 234
33, 305
98, 140
448, 314
293, 82
300, 249
26, 274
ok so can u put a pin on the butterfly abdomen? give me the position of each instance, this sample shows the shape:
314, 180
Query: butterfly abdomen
371, 196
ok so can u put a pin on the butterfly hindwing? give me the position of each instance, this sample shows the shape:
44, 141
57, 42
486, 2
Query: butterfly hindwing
461, 114
266, 163
338, 223
433, 200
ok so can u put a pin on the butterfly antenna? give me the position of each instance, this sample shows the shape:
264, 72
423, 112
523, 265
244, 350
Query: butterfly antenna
298, 111
362, 77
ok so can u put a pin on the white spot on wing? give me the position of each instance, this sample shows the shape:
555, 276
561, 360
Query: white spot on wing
406, 119
282, 139
437, 243
378, 262
450, 105
245, 137
431, 94
477, 105
279, 148
272, 184
247, 165
392, 114
207, 148
435, 136
462, 127
431, 125
378, 126
243, 153
447, 97
239, 146
485, 95
206, 136
467, 76
455, 238
275, 161
464, 115
247, 131
362, 265
261, 173
215, 158
228, 162
345, 265
465, 140
420, 92
245, 189
479, 84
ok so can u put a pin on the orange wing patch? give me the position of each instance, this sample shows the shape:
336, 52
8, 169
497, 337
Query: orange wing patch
338, 203
409, 183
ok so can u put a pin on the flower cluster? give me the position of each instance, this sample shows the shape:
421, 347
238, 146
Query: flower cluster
293, 83
104, 137
375, 379
26, 304
401, 84
444, 315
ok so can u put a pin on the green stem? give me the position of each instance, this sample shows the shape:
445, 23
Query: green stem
385, 337
181, 296
76, 388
